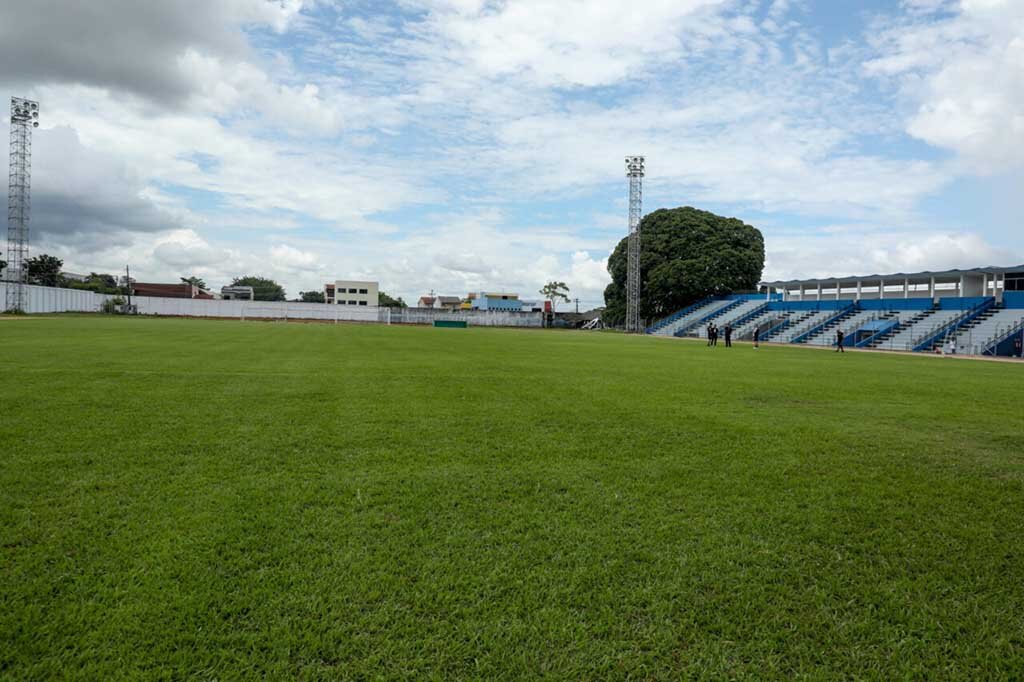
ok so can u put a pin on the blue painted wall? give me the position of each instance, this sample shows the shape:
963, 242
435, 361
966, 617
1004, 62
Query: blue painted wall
962, 303
488, 303
1007, 347
809, 305
1013, 299
755, 297
897, 304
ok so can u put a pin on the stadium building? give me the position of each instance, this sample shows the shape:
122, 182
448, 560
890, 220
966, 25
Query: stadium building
972, 312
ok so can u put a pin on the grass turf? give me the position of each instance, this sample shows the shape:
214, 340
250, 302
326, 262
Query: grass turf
228, 500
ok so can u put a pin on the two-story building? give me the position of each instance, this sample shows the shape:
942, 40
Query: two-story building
352, 292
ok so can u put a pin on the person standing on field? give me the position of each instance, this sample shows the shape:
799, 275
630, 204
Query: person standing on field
757, 338
839, 341
728, 336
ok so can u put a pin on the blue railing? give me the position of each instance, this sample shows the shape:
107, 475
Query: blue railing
929, 341
714, 313
895, 326
817, 328
743, 319
665, 321
776, 329
1005, 339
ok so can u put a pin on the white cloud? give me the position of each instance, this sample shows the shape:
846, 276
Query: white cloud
185, 249
589, 274
571, 42
286, 257
963, 77
296, 155
128, 45
864, 252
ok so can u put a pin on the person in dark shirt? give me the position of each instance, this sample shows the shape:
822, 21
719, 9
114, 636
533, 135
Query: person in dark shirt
839, 341
1017, 345
728, 336
757, 338
711, 332
714, 335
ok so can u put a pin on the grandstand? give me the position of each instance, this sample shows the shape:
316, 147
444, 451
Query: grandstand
980, 311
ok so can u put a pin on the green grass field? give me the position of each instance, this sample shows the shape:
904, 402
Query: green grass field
222, 500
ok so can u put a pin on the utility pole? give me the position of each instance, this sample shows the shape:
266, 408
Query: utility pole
128, 285
577, 306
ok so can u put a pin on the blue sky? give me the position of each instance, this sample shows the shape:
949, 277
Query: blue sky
459, 145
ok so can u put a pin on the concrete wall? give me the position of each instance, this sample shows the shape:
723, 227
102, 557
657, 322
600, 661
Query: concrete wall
342, 295
53, 300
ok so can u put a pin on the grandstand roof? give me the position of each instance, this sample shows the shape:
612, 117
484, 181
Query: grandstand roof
927, 274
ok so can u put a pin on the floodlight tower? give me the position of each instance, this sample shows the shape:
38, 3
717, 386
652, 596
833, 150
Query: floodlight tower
635, 173
24, 117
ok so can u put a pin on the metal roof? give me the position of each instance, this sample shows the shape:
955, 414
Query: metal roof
927, 274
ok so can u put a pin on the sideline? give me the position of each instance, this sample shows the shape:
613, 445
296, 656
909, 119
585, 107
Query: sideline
873, 351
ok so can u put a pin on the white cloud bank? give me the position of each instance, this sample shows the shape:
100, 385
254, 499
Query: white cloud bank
963, 78
232, 123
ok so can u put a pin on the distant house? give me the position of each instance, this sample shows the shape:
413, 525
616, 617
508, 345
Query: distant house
447, 302
532, 306
182, 290
352, 292
497, 301
425, 302
237, 293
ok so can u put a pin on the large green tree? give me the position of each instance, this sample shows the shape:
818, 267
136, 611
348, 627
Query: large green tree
101, 283
686, 254
311, 297
387, 302
43, 270
263, 289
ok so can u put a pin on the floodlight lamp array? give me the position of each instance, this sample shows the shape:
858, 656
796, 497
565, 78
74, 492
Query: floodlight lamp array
24, 111
634, 166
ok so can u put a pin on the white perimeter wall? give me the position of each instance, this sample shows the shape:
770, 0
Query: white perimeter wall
54, 300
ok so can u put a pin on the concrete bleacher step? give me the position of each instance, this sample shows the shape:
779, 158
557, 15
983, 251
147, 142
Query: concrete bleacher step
830, 328
992, 325
903, 324
691, 317
794, 327
726, 317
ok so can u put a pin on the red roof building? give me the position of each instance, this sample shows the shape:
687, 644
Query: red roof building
169, 290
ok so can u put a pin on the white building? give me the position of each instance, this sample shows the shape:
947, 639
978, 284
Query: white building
987, 281
352, 292
237, 293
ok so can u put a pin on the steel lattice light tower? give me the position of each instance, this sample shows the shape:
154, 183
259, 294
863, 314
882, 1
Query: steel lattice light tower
24, 117
635, 173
